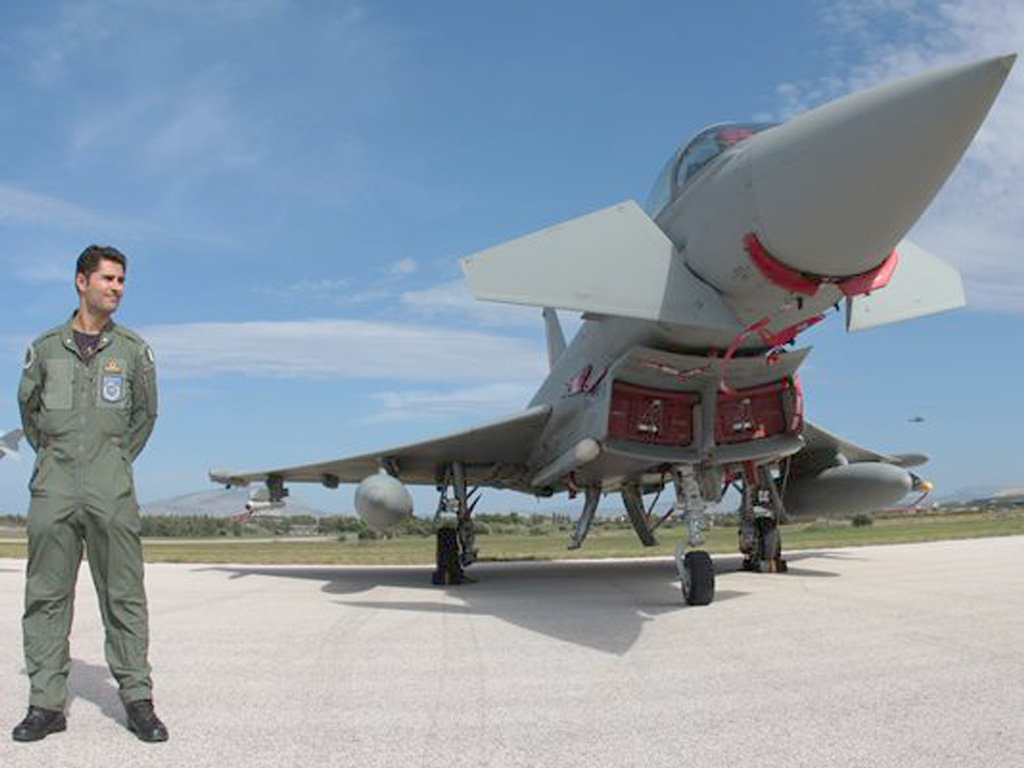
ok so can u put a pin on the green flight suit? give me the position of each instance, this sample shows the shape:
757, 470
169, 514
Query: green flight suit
87, 421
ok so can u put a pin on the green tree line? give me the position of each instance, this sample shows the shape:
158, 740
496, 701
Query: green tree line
208, 527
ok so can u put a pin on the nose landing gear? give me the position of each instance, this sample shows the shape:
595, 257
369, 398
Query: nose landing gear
695, 490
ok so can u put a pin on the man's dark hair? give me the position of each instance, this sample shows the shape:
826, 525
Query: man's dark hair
90, 258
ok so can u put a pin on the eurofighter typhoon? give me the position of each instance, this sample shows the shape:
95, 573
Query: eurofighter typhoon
683, 373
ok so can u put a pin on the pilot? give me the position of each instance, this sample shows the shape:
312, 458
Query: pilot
88, 405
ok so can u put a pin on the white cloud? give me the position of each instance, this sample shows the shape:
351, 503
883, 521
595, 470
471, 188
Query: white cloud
202, 126
79, 27
342, 349
24, 208
231, 10
110, 123
454, 299
496, 398
976, 221
195, 126
167, 90
404, 268
307, 290
87, 27
19, 206
45, 270
338, 292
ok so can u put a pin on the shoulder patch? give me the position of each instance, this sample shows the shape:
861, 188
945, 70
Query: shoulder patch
30, 356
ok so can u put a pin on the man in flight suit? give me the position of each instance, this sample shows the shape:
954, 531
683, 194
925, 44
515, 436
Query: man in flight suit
88, 405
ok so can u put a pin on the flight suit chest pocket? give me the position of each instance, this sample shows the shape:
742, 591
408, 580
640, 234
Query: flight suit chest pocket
112, 386
58, 386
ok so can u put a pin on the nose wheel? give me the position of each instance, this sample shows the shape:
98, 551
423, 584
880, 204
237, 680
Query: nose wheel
696, 575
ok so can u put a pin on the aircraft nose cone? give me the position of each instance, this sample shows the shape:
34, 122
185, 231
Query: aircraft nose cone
835, 189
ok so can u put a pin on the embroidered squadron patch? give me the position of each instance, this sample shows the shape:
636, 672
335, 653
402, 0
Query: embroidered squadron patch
112, 388
112, 383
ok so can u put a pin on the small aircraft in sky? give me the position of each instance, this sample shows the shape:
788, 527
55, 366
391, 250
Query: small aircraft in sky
683, 374
916, 420
9, 444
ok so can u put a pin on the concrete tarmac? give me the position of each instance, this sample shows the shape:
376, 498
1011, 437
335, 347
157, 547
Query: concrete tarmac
897, 656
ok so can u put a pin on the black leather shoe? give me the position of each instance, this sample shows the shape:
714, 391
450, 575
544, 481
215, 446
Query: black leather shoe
38, 724
143, 722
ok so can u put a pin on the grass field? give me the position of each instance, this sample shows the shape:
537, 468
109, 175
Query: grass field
602, 542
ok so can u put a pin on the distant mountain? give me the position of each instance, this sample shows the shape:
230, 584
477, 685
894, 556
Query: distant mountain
992, 492
222, 503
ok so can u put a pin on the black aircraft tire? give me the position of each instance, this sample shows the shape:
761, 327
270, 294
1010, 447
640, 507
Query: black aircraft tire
769, 539
699, 587
448, 569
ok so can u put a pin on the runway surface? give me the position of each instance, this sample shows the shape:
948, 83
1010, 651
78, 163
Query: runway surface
882, 656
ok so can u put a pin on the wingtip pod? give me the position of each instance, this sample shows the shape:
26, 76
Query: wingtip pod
907, 460
226, 477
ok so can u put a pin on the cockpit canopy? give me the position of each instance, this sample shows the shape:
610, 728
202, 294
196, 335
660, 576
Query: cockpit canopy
693, 156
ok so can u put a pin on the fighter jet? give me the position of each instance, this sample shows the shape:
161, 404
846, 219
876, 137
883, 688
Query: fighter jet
683, 373
9, 444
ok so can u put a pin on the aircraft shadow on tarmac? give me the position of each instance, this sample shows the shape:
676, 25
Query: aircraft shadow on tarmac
602, 605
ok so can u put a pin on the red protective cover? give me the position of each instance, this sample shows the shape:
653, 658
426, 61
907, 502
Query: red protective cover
647, 415
752, 414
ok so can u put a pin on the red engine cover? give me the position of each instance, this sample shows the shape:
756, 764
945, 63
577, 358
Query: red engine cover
646, 415
751, 414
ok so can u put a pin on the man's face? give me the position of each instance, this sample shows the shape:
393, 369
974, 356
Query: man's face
103, 290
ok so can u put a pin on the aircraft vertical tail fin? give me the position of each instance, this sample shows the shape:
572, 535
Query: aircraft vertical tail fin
555, 337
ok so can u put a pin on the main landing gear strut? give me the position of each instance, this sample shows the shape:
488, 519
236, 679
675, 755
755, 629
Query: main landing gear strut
760, 512
455, 537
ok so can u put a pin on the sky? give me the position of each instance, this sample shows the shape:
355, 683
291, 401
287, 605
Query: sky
294, 184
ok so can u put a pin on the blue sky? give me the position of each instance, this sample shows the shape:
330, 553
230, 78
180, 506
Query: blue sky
295, 182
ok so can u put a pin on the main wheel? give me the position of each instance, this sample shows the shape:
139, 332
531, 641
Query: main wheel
449, 570
447, 555
698, 578
770, 547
